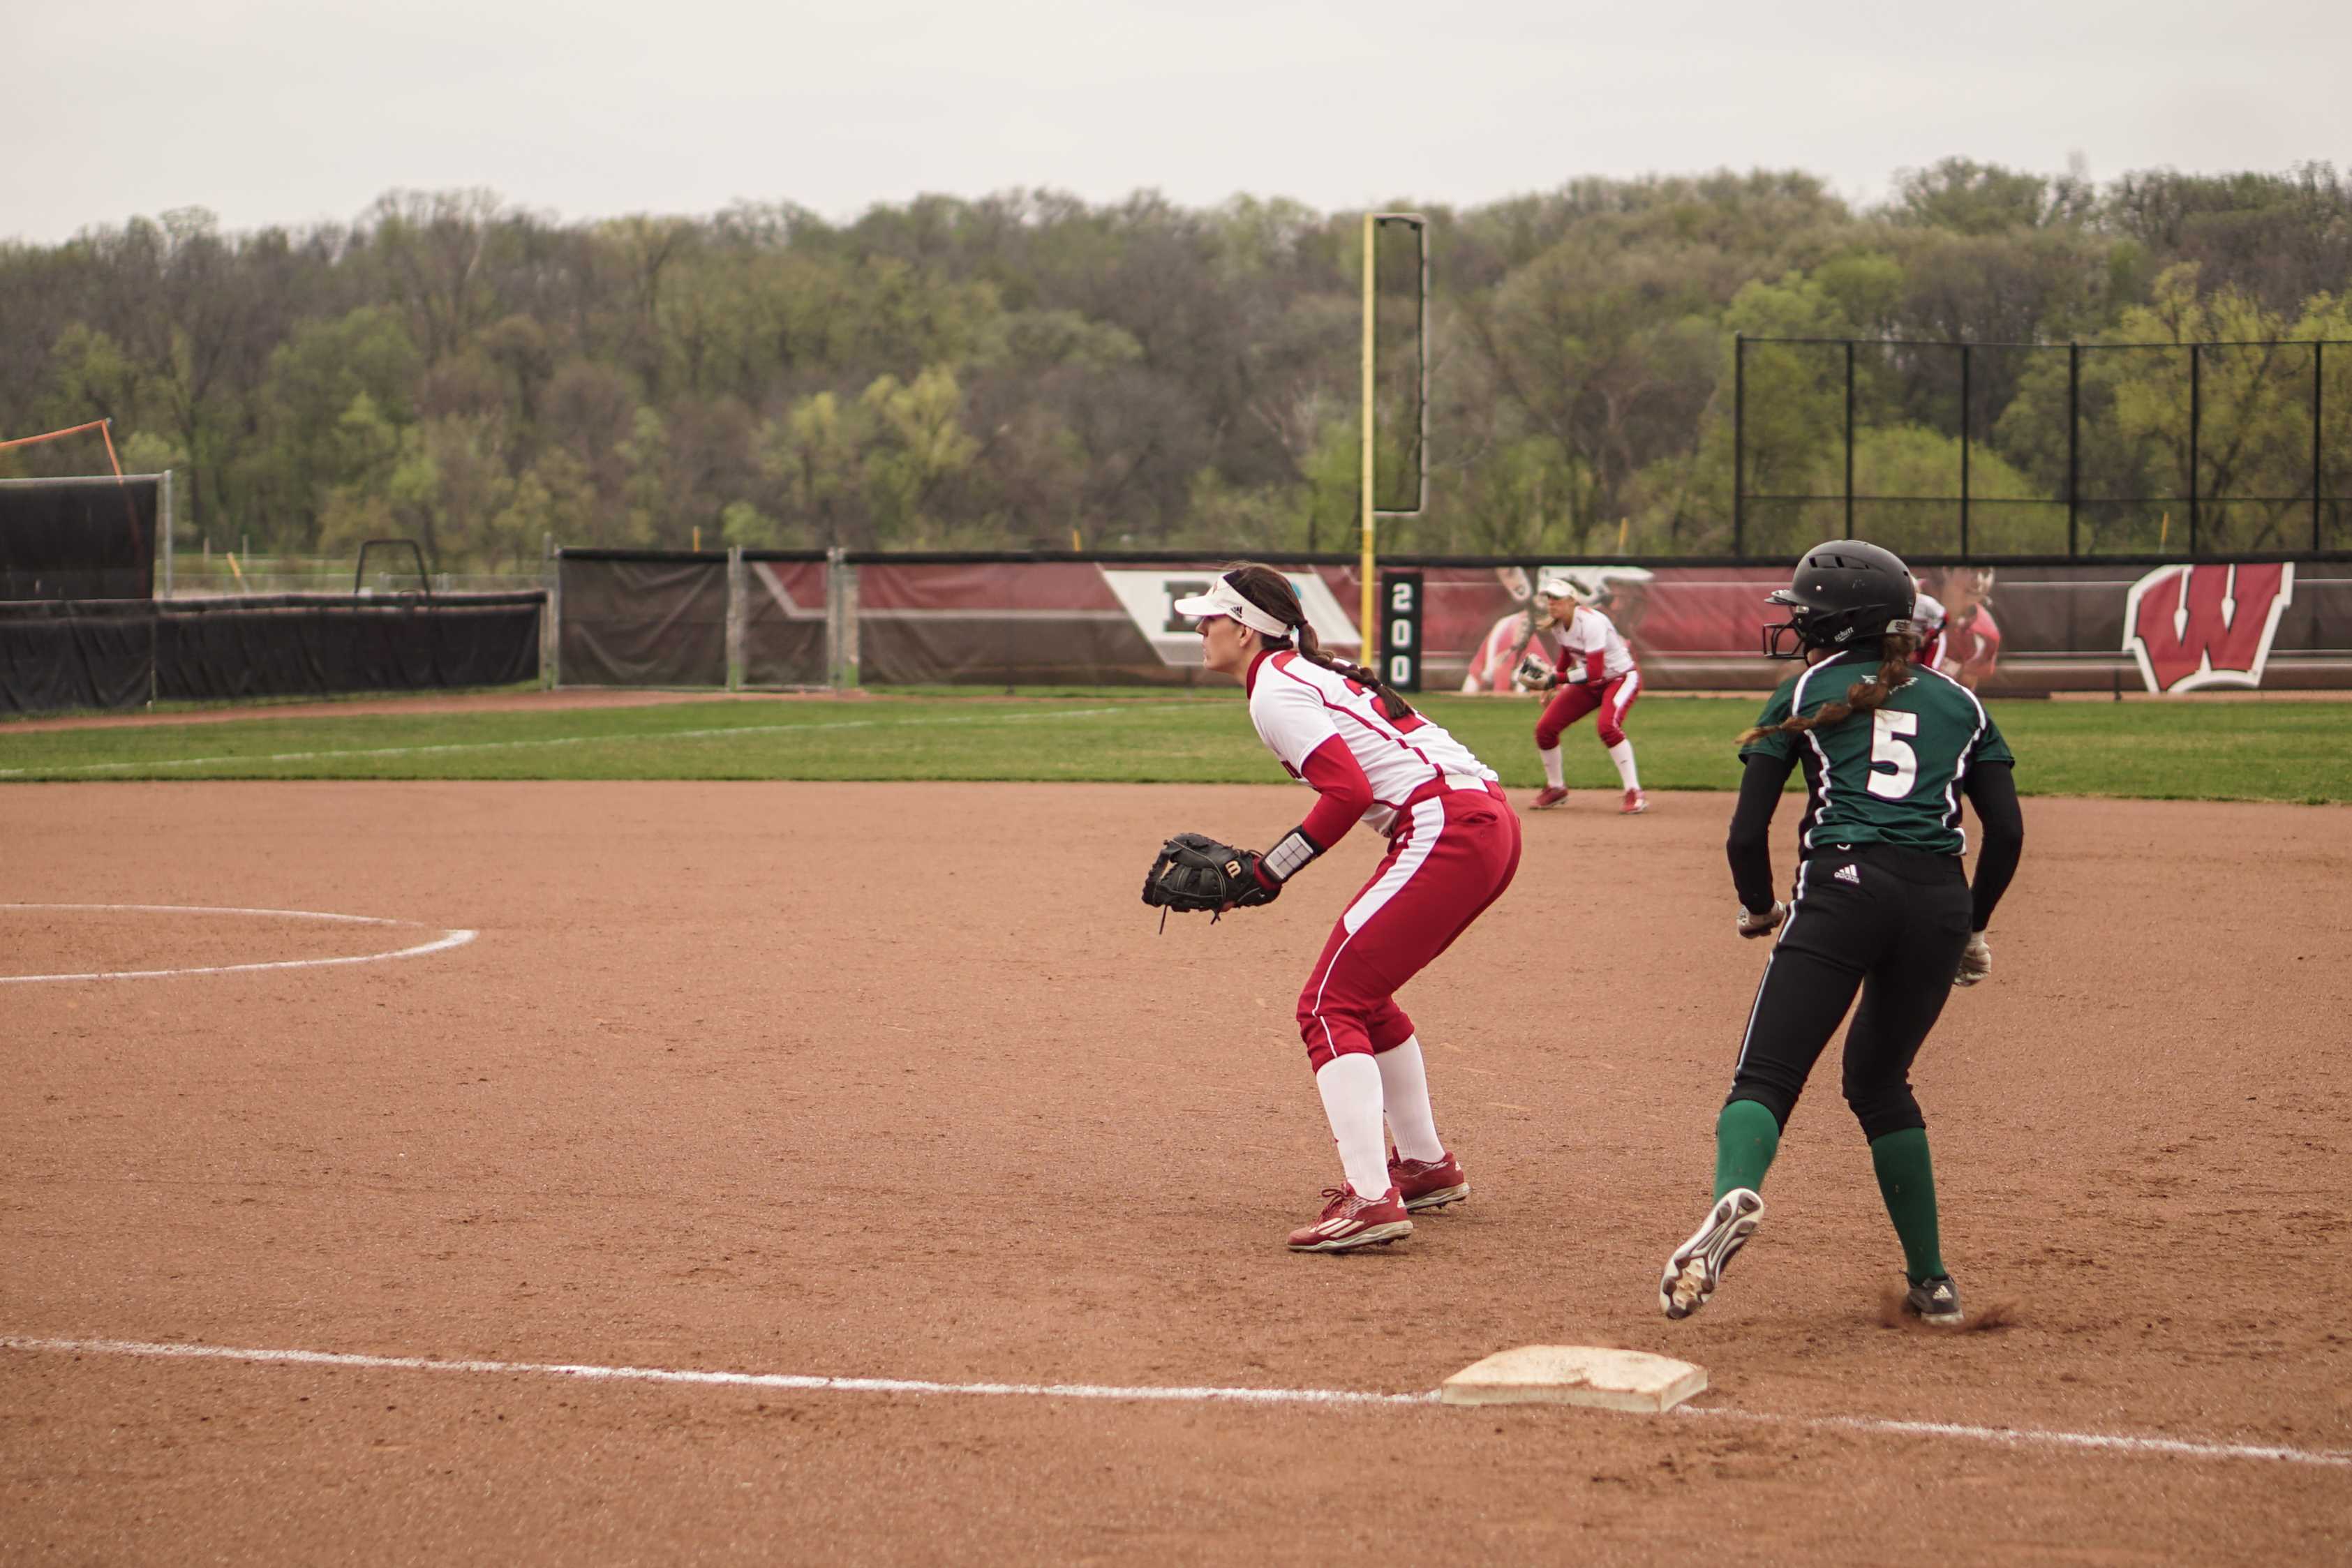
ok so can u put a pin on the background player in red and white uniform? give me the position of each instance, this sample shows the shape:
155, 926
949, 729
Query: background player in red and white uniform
1969, 650
1454, 845
1927, 626
1596, 675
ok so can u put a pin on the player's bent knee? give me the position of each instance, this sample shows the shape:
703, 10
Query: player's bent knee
1612, 736
1324, 1047
1780, 1099
1332, 1025
1883, 1108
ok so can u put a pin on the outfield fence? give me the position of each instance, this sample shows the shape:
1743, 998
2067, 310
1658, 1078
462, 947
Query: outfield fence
813, 619
809, 620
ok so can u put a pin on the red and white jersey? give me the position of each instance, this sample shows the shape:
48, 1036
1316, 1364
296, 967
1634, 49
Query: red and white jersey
1589, 632
1971, 649
1299, 705
1927, 625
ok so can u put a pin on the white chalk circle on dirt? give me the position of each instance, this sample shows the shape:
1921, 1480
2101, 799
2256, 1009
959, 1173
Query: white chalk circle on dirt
447, 939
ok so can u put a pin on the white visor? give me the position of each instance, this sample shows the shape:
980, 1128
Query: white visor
1224, 599
1559, 588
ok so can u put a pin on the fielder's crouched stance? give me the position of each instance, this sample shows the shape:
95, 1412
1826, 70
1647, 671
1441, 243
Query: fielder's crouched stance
1596, 675
1454, 845
1881, 902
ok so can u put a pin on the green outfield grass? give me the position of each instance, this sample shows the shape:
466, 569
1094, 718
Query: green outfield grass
2251, 751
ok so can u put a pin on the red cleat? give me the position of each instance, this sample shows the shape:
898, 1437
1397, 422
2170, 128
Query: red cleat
1429, 1184
1350, 1222
1635, 804
1550, 798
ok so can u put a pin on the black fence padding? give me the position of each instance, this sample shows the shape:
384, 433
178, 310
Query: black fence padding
633, 622
79, 539
55, 656
299, 644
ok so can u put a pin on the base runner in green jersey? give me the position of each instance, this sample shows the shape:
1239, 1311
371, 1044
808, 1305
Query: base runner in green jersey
1882, 906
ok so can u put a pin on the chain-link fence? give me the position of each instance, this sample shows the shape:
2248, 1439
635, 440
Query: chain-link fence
2008, 451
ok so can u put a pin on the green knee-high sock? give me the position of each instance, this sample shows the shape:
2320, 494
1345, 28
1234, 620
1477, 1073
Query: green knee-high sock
1906, 1180
1747, 1136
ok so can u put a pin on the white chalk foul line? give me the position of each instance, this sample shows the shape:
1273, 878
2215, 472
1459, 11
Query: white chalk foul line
447, 939
720, 1379
2023, 1435
2004, 1436
445, 747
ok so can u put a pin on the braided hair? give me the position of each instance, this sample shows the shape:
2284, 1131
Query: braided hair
1895, 672
1271, 592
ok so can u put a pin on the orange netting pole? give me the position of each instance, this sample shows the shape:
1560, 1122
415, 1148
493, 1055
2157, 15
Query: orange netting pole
70, 430
130, 513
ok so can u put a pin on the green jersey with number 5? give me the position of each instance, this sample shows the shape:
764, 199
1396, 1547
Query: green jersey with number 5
1891, 776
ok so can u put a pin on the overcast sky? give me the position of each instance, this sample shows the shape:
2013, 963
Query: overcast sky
290, 111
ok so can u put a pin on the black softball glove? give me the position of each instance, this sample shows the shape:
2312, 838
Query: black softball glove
1195, 872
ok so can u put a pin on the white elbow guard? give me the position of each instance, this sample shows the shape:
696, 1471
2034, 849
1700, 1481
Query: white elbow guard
1289, 855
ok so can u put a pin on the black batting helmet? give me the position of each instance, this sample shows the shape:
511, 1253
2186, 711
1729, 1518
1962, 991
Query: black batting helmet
1843, 592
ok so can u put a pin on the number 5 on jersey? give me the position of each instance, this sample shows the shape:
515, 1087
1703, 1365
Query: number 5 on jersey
1890, 729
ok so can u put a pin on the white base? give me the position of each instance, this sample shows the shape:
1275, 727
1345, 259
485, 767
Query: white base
1576, 1375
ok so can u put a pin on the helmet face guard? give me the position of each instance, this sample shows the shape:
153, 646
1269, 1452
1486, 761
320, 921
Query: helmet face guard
1793, 629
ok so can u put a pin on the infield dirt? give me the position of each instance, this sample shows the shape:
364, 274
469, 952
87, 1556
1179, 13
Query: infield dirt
899, 1081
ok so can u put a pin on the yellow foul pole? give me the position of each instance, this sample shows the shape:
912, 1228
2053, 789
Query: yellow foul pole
1369, 653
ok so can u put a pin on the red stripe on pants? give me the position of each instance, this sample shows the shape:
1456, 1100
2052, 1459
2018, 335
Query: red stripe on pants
1454, 858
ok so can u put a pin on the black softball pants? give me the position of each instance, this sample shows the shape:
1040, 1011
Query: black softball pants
1890, 923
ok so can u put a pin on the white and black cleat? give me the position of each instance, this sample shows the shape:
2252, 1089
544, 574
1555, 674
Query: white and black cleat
1696, 1267
1935, 1301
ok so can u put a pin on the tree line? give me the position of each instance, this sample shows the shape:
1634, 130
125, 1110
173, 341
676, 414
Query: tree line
1027, 368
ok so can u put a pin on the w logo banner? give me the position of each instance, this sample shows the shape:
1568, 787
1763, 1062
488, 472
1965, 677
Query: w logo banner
2196, 626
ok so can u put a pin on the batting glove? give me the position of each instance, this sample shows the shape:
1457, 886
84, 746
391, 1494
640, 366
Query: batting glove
1765, 924
1976, 961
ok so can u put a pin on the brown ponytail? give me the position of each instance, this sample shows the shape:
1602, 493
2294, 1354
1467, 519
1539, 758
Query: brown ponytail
1895, 672
1271, 592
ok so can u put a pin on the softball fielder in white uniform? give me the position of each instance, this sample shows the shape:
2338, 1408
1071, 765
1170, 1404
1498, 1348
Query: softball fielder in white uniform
1596, 675
1453, 846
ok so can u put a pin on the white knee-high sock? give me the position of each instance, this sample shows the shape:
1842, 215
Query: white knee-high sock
1621, 754
1350, 1087
1404, 1086
1553, 773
